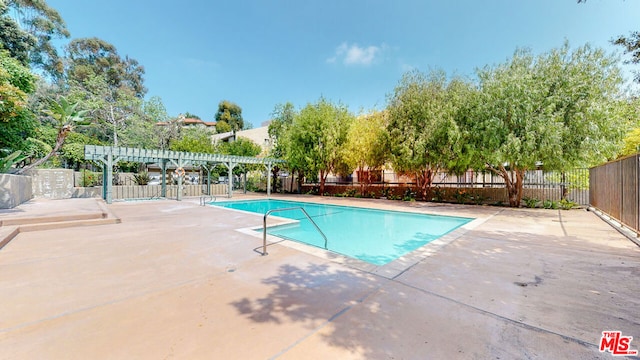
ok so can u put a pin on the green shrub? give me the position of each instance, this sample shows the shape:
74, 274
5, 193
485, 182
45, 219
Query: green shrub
550, 204
566, 204
141, 178
438, 194
90, 178
530, 202
462, 196
409, 195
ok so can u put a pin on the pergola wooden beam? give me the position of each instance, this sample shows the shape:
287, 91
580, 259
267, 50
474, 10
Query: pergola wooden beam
110, 155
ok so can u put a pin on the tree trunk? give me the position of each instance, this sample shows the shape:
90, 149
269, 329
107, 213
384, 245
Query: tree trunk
300, 180
424, 179
323, 177
514, 186
62, 134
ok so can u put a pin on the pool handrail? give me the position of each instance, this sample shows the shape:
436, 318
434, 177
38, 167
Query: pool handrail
204, 199
264, 227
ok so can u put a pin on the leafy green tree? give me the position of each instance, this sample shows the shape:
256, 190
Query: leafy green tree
109, 86
72, 152
241, 147
28, 34
231, 114
423, 134
557, 109
366, 145
143, 130
222, 127
17, 122
631, 143
631, 44
315, 138
189, 115
65, 116
14, 39
168, 131
282, 119
195, 139
89, 57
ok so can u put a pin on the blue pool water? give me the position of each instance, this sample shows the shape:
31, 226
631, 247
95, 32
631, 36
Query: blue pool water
374, 236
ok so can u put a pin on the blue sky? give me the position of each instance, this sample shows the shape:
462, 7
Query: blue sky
259, 53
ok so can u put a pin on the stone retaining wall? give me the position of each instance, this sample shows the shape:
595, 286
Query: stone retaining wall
14, 190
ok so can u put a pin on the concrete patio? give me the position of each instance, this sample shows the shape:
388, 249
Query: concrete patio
174, 280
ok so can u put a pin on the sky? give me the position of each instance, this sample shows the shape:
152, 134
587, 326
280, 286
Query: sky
260, 53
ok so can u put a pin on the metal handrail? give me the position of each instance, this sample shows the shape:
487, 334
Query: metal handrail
204, 198
264, 227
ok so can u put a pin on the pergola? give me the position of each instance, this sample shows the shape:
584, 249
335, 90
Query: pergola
110, 155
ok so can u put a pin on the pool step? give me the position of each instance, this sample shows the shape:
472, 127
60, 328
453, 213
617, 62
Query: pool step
11, 227
7, 233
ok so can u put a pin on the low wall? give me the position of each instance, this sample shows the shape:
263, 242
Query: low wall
53, 183
14, 190
152, 191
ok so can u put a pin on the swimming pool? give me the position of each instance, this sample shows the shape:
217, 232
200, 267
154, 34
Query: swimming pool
375, 236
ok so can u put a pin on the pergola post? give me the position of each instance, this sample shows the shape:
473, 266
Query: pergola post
163, 187
269, 166
230, 166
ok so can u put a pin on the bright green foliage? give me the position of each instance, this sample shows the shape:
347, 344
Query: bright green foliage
366, 145
631, 143
28, 34
65, 115
17, 123
557, 109
282, 118
16, 82
72, 152
109, 86
423, 134
316, 137
194, 139
7, 162
189, 115
631, 45
91, 57
241, 147
222, 127
231, 114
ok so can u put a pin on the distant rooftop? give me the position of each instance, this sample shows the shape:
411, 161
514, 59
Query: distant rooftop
191, 122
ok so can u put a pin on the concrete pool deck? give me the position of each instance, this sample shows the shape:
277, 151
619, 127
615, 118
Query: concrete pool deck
174, 280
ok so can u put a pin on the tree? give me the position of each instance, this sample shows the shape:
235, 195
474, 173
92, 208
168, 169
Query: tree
194, 139
33, 40
315, 138
189, 115
65, 116
17, 123
15, 40
241, 147
557, 110
366, 145
222, 127
282, 119
231, 114
109, 86
423, 134
631, 44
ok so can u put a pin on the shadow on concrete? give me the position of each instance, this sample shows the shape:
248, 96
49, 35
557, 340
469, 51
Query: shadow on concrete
316, 296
